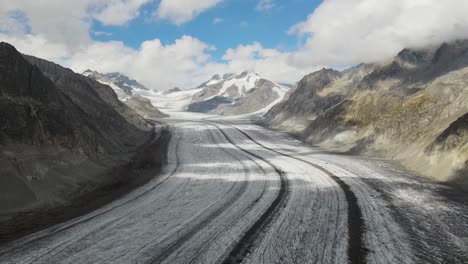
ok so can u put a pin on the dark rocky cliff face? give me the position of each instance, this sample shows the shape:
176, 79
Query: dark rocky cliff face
60, 133
411, 108
114, 125
34, 110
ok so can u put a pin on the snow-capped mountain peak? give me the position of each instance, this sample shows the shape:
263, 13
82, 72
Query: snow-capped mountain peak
246, 92
122, 85
214, 80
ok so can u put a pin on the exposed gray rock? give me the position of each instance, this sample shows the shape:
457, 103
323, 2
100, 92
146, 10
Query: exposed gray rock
208, 105
303, 102
242, 75
207, 93
173, 90
255, 99
123, 80
452, 138
228, 76
214, 79
421, 66
144, 108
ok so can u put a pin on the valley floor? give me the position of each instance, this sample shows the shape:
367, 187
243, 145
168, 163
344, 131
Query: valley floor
234, 191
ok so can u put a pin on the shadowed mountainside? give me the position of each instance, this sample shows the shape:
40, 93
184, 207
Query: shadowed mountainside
61, 134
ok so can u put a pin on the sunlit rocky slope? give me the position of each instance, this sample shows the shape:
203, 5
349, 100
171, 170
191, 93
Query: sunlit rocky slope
144, 107
412, 108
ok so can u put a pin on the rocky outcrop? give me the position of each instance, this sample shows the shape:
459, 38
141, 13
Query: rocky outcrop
208, 105
144, 108
306, 101
236, 94
171, 91
453, 137
215, 79
411, 108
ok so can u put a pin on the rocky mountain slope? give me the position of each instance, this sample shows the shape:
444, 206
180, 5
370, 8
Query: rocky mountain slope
170, 91
62, 135
236, 94
122, 85
144, 107
411, 108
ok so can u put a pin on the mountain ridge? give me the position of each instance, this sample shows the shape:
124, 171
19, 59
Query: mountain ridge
122, 85
398, 109
232, 94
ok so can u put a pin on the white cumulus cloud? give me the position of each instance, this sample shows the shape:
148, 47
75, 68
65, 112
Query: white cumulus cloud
182, 11
269, 63
217, 20
347, 32
158, 66
265, 5
68, 22
338, 32
39, 46
118, 12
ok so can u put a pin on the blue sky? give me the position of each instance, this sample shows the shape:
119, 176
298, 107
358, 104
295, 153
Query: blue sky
241, 23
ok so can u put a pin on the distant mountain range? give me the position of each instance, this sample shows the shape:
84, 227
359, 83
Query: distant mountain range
122, 85
234, 94
128, 91
412, 108
173, 90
